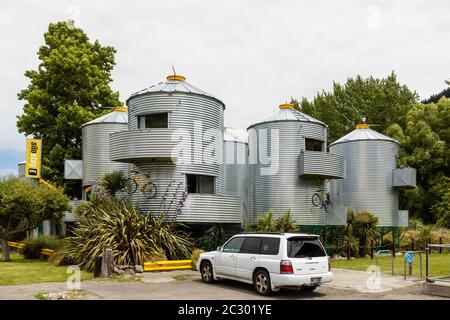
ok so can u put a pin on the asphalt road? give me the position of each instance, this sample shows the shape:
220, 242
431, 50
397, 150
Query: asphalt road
180, 285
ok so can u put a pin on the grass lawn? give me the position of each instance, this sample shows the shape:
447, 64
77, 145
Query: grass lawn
439, 264
22, 271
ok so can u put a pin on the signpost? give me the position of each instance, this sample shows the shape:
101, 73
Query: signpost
33, 158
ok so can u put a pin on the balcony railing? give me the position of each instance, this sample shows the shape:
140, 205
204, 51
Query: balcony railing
135, 145
321, 164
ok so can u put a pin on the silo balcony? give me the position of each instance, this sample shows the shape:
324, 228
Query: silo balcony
404, 178
321, 165
211, 208
141, 144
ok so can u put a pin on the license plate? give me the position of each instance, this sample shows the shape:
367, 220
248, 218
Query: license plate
315, 281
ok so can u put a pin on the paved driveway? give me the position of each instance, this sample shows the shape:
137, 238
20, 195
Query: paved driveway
180, 285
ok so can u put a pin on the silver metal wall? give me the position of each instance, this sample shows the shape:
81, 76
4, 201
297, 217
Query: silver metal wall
185, 112
286, 190
368, 183
95, 146
235, 171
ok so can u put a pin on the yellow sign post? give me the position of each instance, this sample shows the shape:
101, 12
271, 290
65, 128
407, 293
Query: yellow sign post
33, 158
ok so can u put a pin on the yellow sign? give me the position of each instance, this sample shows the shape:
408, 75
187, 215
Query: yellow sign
33, 159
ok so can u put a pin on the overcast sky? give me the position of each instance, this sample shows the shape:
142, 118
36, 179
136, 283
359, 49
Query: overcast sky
251, 54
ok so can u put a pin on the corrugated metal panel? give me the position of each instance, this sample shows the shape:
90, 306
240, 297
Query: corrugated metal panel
133, 145
285, 190
321, 164
186, 112
205, 208
70, 216
404, 178
289, 114
403, 218
95, 148
174, 86
368, 183
235, 170
363, 134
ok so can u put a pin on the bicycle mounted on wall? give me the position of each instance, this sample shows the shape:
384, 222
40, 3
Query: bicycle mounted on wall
142, 181
321, 199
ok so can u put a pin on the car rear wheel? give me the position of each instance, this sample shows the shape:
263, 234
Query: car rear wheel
261, 282
206, 270
309, 288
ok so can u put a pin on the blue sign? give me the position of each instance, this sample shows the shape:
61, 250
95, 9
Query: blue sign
409, 257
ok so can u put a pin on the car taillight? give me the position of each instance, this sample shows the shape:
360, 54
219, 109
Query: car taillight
286, 267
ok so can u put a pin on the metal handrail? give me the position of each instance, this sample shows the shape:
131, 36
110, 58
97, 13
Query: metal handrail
377, 268
404, 262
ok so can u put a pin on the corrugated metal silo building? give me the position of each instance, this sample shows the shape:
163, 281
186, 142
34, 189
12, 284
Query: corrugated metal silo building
160, 117
95, 145
373, 180
296, 144
235, 166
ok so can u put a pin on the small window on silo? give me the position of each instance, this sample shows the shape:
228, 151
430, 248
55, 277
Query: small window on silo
200, 184
313, 145
154, 120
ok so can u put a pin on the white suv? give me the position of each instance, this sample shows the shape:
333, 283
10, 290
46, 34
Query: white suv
269, 261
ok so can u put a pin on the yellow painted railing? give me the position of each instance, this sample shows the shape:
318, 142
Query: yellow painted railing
168, 265
18, 245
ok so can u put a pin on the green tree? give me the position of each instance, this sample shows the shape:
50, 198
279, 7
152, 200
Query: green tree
380, 101
24, 205
424, 145
71, 86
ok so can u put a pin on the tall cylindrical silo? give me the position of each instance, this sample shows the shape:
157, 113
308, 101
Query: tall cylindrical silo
95, 145
235, 166
370, 162
159, 118
295, 146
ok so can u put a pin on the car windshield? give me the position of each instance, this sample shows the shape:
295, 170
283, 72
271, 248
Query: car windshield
305, 248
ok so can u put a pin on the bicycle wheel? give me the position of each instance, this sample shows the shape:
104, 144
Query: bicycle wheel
316, 201
150, 190
328, 206
130, 186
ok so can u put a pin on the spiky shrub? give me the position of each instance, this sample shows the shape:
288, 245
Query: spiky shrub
113, 182
285, 223
266, 222
194, 257
33, 246
132, 235
366, 229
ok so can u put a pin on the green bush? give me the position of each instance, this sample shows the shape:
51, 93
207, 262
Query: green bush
194, 257
133, 236
33, 246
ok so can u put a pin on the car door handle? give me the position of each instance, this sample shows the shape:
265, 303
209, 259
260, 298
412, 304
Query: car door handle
254, 257
231, 257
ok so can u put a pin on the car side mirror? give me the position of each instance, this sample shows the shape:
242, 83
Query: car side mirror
219, 248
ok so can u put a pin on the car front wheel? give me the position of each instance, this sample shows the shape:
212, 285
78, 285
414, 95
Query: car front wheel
261, 282
206, 270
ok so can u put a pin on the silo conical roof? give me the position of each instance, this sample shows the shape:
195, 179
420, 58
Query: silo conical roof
231, 134
363, 133
287, 112
175, 83
118, 115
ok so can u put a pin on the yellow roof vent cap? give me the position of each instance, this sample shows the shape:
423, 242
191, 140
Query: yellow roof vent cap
175, 77
286, 106
362, 126
121, 109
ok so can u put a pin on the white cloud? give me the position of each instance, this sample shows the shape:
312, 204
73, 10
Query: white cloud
253, 55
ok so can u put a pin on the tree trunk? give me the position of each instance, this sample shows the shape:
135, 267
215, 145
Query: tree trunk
5, 250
